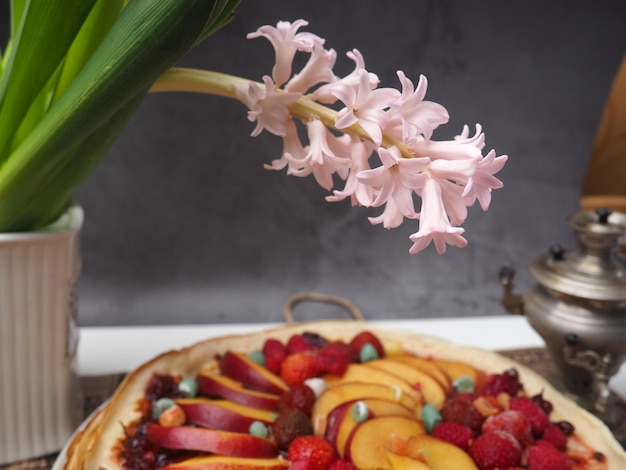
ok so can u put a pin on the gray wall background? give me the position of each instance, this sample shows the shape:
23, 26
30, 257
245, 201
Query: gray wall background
183, 224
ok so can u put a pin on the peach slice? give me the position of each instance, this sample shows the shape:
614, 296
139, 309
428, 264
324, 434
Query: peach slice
441, 455
425, 365
377, 407
239, 367
217, 385
233, 444
363, 373
349, 391
222, 462
367, 445
456, 369
223, 414
433, 391
402, 462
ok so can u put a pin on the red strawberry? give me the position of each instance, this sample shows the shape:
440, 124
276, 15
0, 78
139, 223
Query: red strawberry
297, 368
299, 396
460, 409
537, 418
334, 358
511, 421
364, 338
454, 433
544, 456
275, 352
554, 434
315, 450
298, 344
496, 450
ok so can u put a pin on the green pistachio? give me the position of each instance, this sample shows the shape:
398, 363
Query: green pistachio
258, 429
188, 388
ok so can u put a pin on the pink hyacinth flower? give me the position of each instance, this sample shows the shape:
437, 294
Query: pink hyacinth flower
359, 193
417, 117
396, 179
318, 69
434, 223
364, 106
326, 155
286, 41
324, 94
482, 182
268, 107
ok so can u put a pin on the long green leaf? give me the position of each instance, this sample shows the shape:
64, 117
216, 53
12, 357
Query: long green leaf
95, 27
46, 30
148, 37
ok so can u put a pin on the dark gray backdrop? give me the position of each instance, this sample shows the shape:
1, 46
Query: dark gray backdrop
183, 225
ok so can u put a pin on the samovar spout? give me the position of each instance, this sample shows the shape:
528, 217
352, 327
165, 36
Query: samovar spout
512, 303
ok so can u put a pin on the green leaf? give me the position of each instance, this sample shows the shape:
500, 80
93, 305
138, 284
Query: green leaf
46, 30
147, 38
100, 19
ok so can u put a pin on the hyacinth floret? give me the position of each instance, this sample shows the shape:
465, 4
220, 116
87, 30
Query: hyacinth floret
376, 141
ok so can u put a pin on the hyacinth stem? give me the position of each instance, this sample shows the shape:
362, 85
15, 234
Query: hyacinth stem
220, 84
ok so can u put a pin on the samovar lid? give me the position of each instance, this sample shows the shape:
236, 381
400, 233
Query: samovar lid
595, 269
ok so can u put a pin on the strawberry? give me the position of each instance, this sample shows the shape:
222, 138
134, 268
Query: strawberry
454, 433
299, 396
298, 367
511, 421
460, 409
364, 338
298, 344
554, 434
535, 415
544, 456
275, 352
334, 358
496, 450
315, 450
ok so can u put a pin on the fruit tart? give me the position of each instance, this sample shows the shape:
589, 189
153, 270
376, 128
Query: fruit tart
339, 395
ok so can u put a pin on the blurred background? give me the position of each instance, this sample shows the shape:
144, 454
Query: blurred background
183, 224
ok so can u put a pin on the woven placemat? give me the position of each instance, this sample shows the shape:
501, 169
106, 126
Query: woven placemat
97, 389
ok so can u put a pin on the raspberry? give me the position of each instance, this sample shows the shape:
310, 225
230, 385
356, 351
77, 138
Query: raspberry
290, 424
460, 409
298, 344
454, 433
342, 465
275, 352
315, 450
299, 396
537, 418
362, 339
554, 434
334, 359
507, 382
297, 368
513, 422
544, 456
496, 450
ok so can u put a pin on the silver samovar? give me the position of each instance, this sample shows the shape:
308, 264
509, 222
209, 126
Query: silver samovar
578, 306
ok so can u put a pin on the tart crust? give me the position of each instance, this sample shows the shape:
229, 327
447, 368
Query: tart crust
92, 447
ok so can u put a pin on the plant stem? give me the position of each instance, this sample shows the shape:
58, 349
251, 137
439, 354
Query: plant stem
220, 84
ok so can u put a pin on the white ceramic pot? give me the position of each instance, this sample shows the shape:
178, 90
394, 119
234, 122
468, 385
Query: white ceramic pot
40, 397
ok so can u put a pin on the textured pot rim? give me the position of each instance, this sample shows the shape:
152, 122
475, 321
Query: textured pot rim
68, 223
